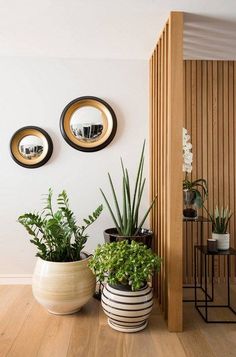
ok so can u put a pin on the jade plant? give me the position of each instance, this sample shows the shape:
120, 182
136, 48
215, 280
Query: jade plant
125, 264
56, 233
126, 214
220, 219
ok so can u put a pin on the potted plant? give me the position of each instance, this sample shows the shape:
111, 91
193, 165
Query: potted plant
62, 281
220, 221
127, 299
126, 215
194, 192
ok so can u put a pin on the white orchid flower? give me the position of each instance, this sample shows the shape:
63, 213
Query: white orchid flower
187, 154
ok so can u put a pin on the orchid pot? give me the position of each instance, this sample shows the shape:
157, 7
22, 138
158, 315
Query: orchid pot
190, 207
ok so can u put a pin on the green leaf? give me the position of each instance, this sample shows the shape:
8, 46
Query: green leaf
57, 235
116, 202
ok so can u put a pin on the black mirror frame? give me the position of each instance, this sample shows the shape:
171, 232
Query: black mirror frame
99, 146
15, 154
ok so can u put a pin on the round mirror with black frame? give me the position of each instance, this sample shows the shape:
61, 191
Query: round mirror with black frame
31, 147
88, 124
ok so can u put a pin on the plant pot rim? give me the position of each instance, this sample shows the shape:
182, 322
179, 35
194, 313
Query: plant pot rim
121, 287
143, 231
220, 234
87, 257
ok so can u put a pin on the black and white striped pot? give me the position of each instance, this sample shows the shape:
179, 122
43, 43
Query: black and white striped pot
127, 311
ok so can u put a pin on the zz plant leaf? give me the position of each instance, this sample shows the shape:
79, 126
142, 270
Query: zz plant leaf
55, 233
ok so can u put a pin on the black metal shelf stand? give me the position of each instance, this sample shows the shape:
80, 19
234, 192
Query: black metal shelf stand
200, 220
205, 254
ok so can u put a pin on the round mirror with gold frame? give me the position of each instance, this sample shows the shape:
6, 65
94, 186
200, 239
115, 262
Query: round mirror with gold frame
88, 123
31, 147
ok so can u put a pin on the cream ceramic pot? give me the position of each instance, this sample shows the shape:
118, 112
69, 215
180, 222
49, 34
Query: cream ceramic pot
222, 240
63, 288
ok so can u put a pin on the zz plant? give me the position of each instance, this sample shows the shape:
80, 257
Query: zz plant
126, 215
220, 219
56, 234
123, 263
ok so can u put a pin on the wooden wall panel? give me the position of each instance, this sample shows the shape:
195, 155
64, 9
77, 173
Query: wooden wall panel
209, 116
166, 89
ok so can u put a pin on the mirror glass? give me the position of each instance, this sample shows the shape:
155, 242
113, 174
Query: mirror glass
86, 123
31, 146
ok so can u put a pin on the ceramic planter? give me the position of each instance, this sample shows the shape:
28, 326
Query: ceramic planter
222, 240
127, 311
190, 209
63, 288
145, 236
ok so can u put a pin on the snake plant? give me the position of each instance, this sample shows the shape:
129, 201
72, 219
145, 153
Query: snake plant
126, 215
220, 219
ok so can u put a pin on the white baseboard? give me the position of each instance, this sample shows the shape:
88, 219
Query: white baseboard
15, 279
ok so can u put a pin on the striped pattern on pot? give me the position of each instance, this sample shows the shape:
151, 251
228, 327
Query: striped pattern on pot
127, 311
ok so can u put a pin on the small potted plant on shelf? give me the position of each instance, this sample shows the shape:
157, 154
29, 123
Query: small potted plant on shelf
220, 221
126, 215
194, 192
127, 299
62, 281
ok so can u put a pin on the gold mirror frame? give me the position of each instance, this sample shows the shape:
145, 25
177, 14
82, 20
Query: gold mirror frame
37, 161
108, 119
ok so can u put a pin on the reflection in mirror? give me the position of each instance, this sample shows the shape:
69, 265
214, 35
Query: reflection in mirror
86, 123
31, 146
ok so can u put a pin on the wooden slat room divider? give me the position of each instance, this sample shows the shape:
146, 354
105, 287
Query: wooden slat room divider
209, 115
166, 73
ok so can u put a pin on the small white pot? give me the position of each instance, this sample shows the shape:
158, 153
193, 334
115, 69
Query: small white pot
222, 240
127, 311
63, 288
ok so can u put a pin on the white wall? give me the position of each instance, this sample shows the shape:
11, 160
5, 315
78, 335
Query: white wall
96, 29
34, 91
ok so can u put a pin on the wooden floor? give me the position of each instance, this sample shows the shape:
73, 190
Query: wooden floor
27, 330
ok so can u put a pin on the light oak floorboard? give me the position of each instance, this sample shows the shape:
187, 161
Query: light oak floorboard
27, 330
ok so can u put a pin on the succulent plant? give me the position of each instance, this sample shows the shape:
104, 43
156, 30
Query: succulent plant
220, 219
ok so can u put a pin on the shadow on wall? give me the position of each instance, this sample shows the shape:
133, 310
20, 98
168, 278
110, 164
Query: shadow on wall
120, 118
209, 38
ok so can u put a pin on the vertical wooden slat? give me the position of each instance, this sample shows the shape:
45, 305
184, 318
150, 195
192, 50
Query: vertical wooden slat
193, 133
161, 193
234, 144
210, 200
188, 236
174, 173
164, 187
166, 90
198, 149
204, 134
231, 141
158, 139
155, 109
